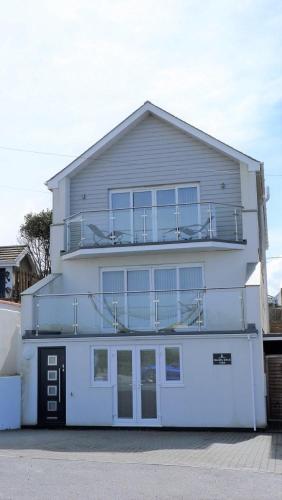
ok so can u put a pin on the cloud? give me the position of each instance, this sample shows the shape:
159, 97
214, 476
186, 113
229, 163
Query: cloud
70, 71
274, 276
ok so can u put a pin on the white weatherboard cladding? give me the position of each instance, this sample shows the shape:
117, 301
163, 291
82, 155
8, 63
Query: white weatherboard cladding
155, 153
211, 396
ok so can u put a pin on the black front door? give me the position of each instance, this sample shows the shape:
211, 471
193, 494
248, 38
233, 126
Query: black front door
51, 386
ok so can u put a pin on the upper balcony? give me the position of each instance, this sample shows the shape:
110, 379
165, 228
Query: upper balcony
190, 226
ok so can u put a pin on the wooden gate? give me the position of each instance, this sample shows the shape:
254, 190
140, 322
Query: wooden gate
274, 383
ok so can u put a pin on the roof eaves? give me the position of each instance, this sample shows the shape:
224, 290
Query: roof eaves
106, 140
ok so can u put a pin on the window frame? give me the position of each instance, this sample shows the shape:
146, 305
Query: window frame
164, 381
151, 269
99, 383
154, 189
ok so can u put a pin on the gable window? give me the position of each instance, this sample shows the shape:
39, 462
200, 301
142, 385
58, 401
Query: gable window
152, 299
156, 214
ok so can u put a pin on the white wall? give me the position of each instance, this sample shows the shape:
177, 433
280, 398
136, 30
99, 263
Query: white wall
10, 402
10, 338
211, 396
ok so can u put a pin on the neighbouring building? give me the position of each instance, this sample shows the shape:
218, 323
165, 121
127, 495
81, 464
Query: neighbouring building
156, 307
273, 361
10, 365
17, 271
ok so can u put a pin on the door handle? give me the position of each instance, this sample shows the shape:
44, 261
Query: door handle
59, 388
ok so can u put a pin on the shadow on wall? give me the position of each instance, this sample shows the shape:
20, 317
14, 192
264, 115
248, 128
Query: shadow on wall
10, 340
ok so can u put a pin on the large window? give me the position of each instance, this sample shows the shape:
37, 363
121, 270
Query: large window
155, 298
159, 214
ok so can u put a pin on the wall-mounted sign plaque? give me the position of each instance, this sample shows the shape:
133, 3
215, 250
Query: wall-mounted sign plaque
222, 358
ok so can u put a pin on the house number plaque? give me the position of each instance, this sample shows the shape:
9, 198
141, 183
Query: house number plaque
222, 358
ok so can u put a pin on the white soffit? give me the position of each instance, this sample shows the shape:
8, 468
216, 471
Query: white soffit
131, 121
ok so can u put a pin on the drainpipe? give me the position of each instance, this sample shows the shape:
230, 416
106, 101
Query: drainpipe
252, 382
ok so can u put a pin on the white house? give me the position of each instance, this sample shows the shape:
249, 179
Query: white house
156, 306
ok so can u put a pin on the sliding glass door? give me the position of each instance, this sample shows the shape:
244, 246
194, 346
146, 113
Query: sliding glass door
155, 215
152, 299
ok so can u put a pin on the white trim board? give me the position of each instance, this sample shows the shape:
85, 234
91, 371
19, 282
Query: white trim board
131, 121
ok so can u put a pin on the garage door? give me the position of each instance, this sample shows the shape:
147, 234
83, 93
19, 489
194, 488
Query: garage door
274, 381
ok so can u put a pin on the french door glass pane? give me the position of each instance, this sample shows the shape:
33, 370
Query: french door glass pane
188, 222
138, 303
114, 303
124, 384
166, 295
120, 222
166, 218
120, 200
142, 216
148, 383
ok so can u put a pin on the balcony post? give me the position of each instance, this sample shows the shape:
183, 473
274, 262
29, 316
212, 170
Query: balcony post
199, 300
176, 213
156, 314
144, 216
36, 317
82, 237
210, 221
112, 236
115, 322
75, 307
68, 235
236, 224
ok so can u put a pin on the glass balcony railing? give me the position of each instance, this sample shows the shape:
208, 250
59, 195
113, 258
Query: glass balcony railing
158, 224
158, 310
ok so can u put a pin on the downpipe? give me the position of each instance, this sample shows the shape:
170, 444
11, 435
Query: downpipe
252, 382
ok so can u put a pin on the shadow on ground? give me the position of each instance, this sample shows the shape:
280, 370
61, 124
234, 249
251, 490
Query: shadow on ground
127, 441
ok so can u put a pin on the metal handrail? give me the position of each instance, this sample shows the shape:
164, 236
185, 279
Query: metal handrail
173, 205
86, 294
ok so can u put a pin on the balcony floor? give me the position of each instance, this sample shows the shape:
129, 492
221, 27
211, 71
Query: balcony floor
192, 246
31, 334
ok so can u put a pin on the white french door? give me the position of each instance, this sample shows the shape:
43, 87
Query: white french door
154, 214
136, 377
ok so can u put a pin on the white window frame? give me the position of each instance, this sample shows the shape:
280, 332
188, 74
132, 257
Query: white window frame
100, 383
164, 381
153, 190
151, 270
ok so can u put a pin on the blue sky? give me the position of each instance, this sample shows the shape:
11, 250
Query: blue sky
72, 70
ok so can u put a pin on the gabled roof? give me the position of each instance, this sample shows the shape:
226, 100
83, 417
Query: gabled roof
12, 255
150, 109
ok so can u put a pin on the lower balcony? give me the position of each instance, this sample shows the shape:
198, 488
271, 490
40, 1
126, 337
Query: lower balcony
137, 313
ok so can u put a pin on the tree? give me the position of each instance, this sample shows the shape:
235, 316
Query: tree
35, 233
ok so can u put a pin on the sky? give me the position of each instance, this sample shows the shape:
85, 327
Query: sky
70, 71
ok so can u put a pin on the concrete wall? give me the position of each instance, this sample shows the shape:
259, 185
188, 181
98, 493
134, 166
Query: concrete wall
210, 396
10, 402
